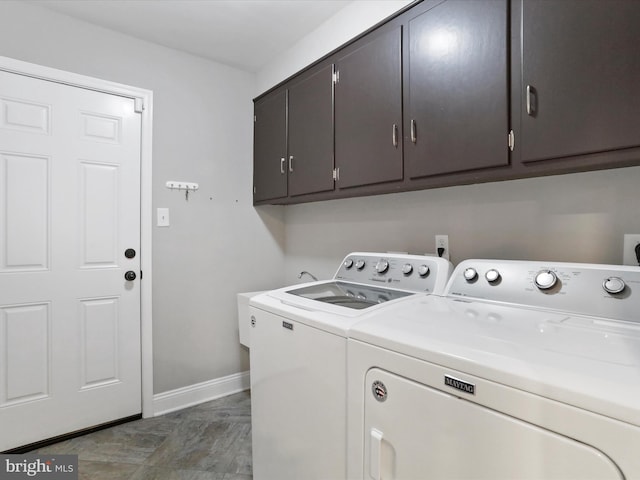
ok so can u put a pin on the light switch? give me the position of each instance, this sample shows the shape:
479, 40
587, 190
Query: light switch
163, 217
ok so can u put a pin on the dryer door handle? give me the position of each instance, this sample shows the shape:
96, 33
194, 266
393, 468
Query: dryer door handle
375, 454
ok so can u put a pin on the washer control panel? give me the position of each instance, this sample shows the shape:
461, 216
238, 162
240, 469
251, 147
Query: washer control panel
414, 273
611, 291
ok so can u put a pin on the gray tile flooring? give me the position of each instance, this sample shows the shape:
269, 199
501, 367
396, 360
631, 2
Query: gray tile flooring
211, 441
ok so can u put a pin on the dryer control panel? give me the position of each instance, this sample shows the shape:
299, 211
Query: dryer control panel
414, 273
610, 291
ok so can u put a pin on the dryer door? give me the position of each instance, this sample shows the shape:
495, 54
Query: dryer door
413, 431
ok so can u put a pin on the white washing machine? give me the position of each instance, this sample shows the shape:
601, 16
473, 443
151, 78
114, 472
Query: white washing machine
298, 359
523, 370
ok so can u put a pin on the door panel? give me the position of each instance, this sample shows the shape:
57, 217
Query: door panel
311, 134
25, 212
420, 432
270, 147
456, 88
580, 65
69, 208
368, 111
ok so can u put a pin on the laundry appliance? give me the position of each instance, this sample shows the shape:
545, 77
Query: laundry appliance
298, 359
527, 370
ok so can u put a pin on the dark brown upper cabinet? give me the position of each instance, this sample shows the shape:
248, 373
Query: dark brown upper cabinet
579, 92
293, 138
270, 147
452, 92
368, 110
456, 87
310, 160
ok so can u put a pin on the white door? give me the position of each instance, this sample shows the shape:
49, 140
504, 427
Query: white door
69, 208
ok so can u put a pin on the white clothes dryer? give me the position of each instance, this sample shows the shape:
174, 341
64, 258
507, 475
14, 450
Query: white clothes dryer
298, 359
523, 370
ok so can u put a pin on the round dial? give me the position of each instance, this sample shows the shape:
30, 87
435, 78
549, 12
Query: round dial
613, 285
470, 274
545, 279
407, 268
348, 263
382, 266
423, 270
492, 275
360, 264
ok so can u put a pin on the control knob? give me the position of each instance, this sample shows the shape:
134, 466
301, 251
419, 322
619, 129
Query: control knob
492, 275
407, 268
613, 285
470, 274
545, 279
382, 266
423, 270
348, 263
360, 264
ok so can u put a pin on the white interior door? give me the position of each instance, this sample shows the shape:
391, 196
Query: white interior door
69, 208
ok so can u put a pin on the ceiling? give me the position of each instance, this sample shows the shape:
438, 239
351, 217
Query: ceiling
245, 34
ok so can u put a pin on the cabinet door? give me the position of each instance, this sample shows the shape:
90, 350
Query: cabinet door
456, 92
310, 161
368, 111
580, 77
270, 147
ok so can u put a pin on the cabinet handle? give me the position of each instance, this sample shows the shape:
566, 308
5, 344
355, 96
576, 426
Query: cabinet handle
282, 160
291, 163
394, 135
414, 138
529, 108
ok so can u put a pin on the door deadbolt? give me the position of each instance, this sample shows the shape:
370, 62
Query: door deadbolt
130, 276
130, 253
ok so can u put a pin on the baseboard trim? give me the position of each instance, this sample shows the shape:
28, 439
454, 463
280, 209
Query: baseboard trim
191, 395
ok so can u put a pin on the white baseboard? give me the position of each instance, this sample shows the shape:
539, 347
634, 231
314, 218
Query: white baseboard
184, 397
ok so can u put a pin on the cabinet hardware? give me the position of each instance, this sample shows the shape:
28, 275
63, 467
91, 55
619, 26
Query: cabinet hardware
336, 174
414, 138
394, 135
291, 164
282, 160
336, 77
529, 107
511, 142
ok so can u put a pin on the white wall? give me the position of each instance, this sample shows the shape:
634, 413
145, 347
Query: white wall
578, 217
348, 23
218, 244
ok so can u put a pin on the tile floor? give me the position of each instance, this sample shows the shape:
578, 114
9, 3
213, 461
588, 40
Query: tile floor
211, 441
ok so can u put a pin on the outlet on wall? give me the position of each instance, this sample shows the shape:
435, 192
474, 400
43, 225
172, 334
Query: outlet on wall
629, 250
442, 246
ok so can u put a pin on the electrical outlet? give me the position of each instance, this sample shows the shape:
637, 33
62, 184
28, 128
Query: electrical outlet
442, 245
629, 249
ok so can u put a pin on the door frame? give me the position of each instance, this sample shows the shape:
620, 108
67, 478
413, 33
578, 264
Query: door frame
144, 99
